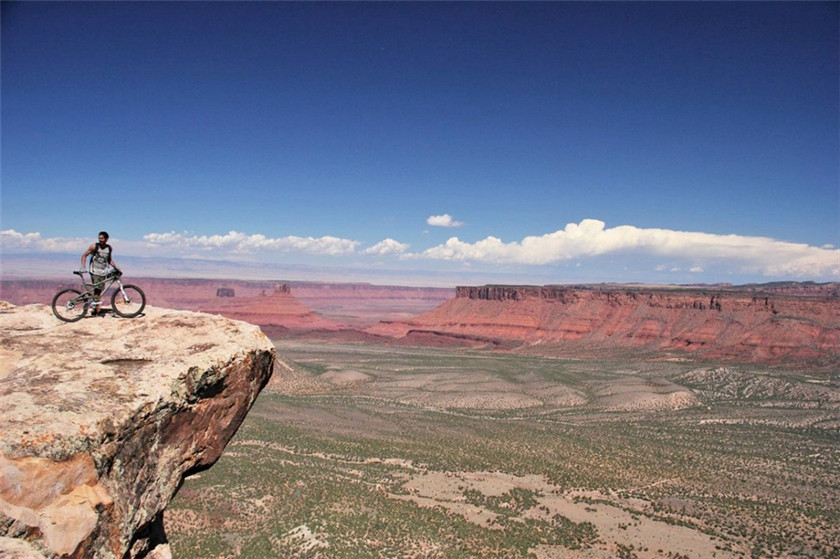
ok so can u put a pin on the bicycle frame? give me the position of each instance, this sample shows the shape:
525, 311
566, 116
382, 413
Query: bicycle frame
103, 285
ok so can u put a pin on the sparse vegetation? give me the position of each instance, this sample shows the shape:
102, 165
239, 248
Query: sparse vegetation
433, 457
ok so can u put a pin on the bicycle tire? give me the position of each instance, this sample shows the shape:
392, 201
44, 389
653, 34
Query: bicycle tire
132, 305
67, 305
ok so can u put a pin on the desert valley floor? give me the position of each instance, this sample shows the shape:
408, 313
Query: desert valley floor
357, 451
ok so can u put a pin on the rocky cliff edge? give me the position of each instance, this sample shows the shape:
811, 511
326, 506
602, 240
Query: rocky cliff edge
101, 420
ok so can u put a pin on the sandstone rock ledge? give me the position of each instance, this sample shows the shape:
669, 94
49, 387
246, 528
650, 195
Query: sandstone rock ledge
100, 421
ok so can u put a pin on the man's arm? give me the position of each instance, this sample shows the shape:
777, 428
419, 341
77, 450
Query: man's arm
111, 260
87, 253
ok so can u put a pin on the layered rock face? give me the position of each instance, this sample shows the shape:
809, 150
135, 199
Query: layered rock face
749, 324
103, 418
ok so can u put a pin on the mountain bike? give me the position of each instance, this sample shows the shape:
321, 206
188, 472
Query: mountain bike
72, 304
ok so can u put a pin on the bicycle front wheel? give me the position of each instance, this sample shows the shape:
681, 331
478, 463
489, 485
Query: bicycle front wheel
69, 305
129, 301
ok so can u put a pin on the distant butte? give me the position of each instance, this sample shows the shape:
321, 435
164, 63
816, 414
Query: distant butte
275, 311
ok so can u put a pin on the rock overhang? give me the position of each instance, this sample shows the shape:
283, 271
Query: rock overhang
103, 418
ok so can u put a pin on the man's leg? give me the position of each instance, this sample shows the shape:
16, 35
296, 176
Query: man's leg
97, 293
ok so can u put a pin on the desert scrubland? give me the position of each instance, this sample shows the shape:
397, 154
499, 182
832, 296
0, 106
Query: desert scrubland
357, 451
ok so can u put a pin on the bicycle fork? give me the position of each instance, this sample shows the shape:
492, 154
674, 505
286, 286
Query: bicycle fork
125, 297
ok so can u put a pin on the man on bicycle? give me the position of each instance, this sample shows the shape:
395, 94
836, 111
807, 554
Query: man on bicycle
100, 259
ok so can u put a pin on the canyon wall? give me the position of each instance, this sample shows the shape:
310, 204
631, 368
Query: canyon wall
793, 323
102, 419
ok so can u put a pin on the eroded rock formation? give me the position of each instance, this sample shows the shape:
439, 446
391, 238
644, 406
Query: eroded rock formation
277, 310
103, 418
749, 323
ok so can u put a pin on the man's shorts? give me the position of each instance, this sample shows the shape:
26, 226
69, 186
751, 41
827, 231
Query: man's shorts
97, 282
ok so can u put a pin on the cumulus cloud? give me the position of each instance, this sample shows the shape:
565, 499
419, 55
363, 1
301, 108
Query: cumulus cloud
241, 243
591, 237
386, 247
444, 220
13, 241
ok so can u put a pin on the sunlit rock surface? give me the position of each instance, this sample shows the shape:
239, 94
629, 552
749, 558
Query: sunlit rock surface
100, 421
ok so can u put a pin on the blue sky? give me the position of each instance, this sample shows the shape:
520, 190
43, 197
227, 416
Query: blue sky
425, 143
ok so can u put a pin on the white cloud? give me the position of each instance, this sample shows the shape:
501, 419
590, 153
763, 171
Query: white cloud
589, 243
12, 241
444, 220
183, 244
240, 243
590, 238
386, 247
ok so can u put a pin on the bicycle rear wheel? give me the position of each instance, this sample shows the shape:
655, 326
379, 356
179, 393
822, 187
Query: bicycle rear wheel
130, 305
69, 305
